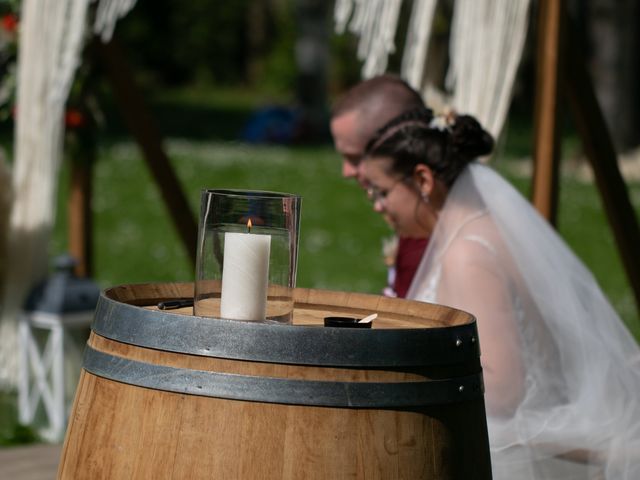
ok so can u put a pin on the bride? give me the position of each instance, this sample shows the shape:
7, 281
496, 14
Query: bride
561, 372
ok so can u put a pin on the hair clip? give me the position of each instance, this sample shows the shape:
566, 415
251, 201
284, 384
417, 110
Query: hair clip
444, 120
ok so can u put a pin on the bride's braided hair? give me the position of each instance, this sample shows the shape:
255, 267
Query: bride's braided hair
445, 143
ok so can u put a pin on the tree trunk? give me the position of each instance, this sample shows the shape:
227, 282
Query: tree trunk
612, 33
312, 59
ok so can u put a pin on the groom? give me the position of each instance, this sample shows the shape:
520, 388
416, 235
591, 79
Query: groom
356, 116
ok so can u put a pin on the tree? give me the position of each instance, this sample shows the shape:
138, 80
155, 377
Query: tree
613, 39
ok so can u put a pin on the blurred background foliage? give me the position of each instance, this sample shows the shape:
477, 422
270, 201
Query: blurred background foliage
242, 43
258, 45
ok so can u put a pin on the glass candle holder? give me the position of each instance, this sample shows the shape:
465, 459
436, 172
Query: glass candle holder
247, 255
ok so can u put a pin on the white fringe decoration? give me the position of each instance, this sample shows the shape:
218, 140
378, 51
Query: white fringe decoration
487, 39
7, 329
417, 44
108, 13
50, 43
486, 46
375, 23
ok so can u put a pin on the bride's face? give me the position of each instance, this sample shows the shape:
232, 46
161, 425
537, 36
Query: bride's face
396, 198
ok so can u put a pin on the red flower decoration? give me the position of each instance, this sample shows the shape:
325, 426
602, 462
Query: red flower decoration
9, 22
74, 118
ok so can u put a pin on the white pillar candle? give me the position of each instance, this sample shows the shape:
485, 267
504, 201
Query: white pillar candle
245, 276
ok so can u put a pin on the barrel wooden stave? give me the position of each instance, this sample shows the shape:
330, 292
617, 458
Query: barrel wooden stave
181, 436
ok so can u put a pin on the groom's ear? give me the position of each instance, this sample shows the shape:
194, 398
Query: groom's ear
423, 176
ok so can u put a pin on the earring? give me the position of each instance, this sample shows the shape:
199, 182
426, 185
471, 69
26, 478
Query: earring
424, 197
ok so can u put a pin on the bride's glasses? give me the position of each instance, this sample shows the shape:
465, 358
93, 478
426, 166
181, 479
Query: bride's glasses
376, 194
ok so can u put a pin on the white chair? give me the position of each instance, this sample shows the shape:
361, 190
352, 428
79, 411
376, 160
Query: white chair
61, 303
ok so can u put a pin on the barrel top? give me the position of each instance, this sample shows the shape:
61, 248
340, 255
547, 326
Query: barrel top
405, 333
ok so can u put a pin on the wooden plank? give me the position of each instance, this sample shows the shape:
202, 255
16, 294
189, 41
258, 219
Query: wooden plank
598, 146
140, 123
546, 128
80, 223
30, 462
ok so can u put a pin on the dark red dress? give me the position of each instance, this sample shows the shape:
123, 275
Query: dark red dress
408, 258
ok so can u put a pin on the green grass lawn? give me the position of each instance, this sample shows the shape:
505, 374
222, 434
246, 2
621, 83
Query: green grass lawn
11, 432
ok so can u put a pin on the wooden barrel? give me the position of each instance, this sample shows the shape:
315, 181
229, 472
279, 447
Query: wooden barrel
165, 394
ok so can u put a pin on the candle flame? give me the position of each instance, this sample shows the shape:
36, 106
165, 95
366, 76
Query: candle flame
249, 225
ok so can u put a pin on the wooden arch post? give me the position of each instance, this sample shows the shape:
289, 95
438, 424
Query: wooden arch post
546, 149
561, 68
142, 126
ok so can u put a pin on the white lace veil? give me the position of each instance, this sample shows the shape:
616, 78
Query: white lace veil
562, 373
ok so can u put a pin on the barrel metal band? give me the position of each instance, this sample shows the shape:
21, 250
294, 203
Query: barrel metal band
292, 344
282, 390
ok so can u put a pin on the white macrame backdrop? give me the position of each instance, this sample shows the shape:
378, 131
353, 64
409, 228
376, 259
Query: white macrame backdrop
417, 43
487, 39
50, 42
107, 14
374, 22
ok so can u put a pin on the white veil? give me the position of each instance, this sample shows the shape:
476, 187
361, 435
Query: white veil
562, 373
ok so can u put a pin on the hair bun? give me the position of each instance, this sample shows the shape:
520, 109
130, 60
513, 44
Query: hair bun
469, 139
